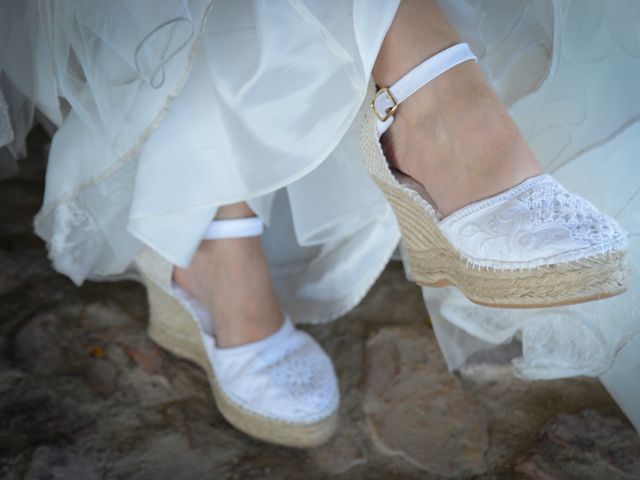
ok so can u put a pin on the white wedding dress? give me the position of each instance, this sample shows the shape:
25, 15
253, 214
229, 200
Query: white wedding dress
172, 108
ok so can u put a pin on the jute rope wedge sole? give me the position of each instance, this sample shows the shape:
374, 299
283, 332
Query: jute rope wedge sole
171, 327
434, 261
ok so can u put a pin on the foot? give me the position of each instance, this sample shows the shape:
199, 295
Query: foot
455, 137
231, 278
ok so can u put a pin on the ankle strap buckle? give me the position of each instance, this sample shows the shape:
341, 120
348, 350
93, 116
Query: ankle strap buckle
385, 101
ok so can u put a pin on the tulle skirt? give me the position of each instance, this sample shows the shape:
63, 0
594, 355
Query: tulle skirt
172, 108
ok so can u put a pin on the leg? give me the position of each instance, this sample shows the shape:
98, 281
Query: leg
454, 136
231, 277
281, 389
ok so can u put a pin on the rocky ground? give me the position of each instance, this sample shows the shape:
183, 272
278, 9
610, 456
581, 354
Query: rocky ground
85, 394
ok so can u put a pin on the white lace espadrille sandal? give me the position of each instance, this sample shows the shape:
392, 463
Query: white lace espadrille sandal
281, 389
534, 245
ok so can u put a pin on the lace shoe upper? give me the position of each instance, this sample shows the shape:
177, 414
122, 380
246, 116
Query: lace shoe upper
286, 376
535, 223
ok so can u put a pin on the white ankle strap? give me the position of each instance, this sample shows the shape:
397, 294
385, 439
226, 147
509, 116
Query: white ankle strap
387, 99
234, 228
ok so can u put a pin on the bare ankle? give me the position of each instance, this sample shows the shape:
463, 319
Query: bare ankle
456, 139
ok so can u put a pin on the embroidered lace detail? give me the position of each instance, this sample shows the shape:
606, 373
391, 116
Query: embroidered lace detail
552, 205
290, 378
535, 223
556, 343
300, 371
83, 238
71, 221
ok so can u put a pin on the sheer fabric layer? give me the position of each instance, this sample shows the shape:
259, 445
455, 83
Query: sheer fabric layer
177, 107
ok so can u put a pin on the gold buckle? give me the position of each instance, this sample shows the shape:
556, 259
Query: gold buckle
390, 110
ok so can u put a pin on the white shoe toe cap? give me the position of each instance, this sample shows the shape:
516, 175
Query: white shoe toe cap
535, 223
286, 376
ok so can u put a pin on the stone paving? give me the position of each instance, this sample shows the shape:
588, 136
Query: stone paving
85, 394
